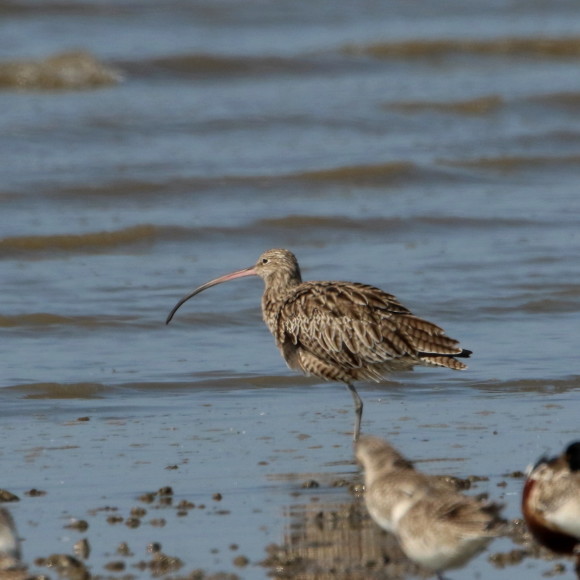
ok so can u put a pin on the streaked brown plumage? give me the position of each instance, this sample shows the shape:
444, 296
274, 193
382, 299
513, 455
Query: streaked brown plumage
341, 331
551, 502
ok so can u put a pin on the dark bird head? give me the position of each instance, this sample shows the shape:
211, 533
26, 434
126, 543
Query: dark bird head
572, 455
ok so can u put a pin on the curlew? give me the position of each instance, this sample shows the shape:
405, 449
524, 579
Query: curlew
341, 331
438, 528
551, 502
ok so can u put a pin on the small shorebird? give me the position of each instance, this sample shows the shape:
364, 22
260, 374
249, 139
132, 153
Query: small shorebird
437, 528
10, 564
391, 482
341, 331
551, 502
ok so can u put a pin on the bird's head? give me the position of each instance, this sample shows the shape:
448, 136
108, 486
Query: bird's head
278, 264
278, 268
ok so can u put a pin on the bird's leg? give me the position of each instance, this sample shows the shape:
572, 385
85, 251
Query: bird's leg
358, 409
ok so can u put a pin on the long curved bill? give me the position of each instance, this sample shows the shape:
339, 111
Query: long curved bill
251, 271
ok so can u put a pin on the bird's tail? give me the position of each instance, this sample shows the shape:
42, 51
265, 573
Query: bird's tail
446, 360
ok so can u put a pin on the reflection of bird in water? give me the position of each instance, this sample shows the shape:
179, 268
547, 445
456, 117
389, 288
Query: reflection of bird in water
437, 528
551, 502
341, 331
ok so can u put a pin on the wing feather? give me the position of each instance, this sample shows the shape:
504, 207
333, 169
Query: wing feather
352, 325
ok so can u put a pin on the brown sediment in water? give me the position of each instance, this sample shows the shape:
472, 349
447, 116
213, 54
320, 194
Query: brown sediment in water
514, 164
528, 47
477, 106
386, 174
136, 238
46, 319
323, 222
63, 391
208, 66
339, 223
358, 173
77, 70
569, 101
97, 241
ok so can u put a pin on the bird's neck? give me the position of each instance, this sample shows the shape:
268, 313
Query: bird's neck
277, 291
281, 283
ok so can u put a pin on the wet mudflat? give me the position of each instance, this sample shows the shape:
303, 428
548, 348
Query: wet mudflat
186, 481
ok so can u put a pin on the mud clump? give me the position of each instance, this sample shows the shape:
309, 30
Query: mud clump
65, 566
7, 496
77, 70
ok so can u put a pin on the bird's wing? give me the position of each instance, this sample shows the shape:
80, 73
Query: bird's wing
351, 324
473, 516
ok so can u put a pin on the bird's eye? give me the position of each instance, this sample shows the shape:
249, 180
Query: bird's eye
265, 260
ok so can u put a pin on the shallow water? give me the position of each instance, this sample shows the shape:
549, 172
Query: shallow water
433, 152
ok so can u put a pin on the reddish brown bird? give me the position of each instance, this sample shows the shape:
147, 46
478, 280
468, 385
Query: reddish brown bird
341, 331
551, 502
